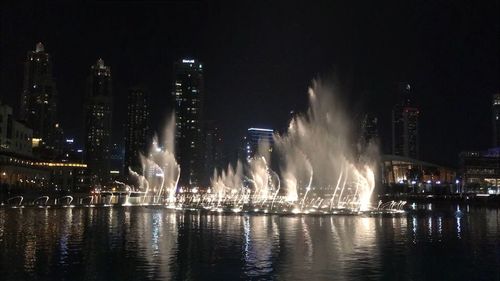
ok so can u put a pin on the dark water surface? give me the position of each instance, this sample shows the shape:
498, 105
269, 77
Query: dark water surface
138, 243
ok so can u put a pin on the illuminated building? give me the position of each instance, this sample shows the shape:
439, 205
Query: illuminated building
369, 128
137, 129
480, 170
256, 137
495, 106
39, 97
15, 136
98, 103
188, 94
21, 173
116, 160
404, 174
405, 134
213, 149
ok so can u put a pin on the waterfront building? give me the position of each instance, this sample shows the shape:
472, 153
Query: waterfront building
404, 174
21, 174
480, 171
137, 129
405, 115
495, 109
213, 149
369, 128
98, 114
15, 136
39, 98
188, 94
257, 137
117, 157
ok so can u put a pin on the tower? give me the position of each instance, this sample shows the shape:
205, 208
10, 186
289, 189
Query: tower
495, 106
188, 94
39, 97
137, 128
98, 113
405, 116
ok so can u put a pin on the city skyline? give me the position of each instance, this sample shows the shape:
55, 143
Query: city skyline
442, 88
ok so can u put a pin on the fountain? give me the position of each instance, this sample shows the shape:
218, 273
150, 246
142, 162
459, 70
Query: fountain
12, 199
41, 202
65, 201
320, 170
160, 171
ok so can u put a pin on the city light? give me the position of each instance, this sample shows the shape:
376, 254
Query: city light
260, 129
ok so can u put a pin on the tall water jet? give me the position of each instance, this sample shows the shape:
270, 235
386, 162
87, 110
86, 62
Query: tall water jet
317, 160
319, 142
160, 171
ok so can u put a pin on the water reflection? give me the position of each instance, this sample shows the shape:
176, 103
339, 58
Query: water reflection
135, 243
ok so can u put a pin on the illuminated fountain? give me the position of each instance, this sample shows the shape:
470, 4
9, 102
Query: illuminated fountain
321, 171
160, 171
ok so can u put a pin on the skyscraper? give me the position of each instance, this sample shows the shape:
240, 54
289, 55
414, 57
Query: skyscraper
495, 107
212, 149
405, 125
369, 126
188, 92
137, 128
39, 97
256, 136
98, 109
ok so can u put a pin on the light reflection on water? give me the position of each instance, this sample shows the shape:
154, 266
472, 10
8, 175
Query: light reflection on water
133, 243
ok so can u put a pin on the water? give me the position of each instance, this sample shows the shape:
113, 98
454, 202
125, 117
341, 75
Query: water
139, 243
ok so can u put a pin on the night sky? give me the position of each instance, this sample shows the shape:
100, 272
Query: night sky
260, 57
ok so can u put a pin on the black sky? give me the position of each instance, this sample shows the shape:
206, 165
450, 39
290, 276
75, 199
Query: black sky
260, 56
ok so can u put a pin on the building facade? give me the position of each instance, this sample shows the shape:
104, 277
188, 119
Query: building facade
188, 94
98, 114
369, 129
407, 175
39, 97
495, 109
256, 137
405, 135
137, 130
480, 170
214, 156
15, 136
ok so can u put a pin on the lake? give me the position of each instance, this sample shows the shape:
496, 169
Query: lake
449, 242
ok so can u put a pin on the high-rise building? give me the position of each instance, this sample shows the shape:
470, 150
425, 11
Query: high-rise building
495, 106
255, 137
15, 136
98, 110
39, 97
213, 149
405, 114
188, 93
137, 128
117, 157
369, 127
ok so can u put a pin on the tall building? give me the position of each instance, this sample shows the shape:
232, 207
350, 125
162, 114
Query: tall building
188, 93
39, 97
214, 157
98, 110
405, 114
117, 157
495, 106
137, 128
15, 136
254, 137
369, 128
